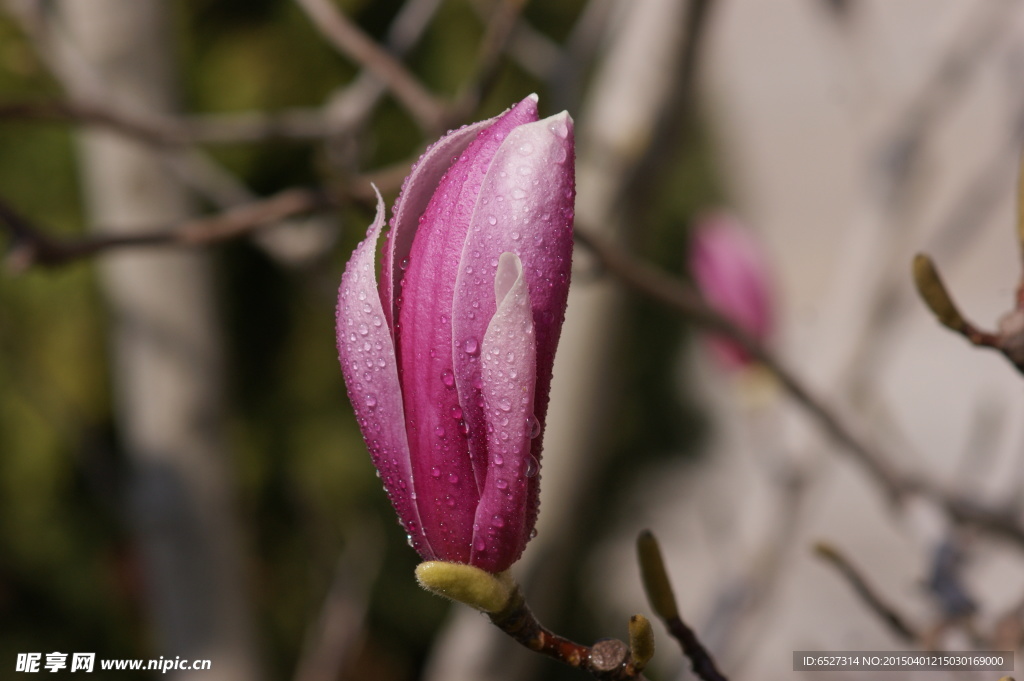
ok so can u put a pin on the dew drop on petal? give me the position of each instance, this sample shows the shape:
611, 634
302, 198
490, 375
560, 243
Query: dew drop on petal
502, 483
498, 460
533, 427
498, 521
439, 431
532, 467
453, 478
456, 411
435, 472
448, 378
492, 220
371, 401
479, 545
471, 346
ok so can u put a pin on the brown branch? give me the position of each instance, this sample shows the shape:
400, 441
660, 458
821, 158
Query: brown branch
896, 622
295, 124
162, 133
351, 41
496, 38
675, 294
31, 245
608, 660
663, 601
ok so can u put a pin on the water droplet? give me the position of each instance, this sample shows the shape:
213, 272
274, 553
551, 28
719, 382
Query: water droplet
518, 194
526, 149
471, 346
463, 428
532, 467
533, 533
363, 329
449, 502
456, 411
492, 220
502, 483
408, 539
371, 401
435, 472
533, 427
498, 460
504, 404
479, 545
448, 378
439, 431
453, 478
404, 265
498, 521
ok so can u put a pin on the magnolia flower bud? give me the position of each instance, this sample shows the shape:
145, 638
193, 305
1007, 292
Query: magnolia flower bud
733, 275
448, 360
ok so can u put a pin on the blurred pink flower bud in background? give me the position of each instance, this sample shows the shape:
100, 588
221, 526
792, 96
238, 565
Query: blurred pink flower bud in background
733, 274
448, 360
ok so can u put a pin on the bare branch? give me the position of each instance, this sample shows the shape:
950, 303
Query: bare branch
663, 601
677, 295
896, 622
493, 44
351, 41
33, 246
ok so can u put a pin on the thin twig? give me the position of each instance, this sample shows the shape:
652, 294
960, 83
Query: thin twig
608, 660
348, 108
677, 295
493, 44
896, 622
683, 298
663, 601
163, 133
33, 246
351, 41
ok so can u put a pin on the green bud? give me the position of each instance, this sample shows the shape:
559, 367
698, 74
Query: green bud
934, 293
466, 584
654, 576
641, 640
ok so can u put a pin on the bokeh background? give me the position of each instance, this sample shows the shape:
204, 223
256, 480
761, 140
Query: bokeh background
181, 473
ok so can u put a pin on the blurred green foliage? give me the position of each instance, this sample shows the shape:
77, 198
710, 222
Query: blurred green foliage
69, 575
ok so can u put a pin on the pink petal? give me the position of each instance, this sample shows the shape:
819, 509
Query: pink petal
733, 275
447, 481
418, 187
526, 208
367, 357
508, 363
